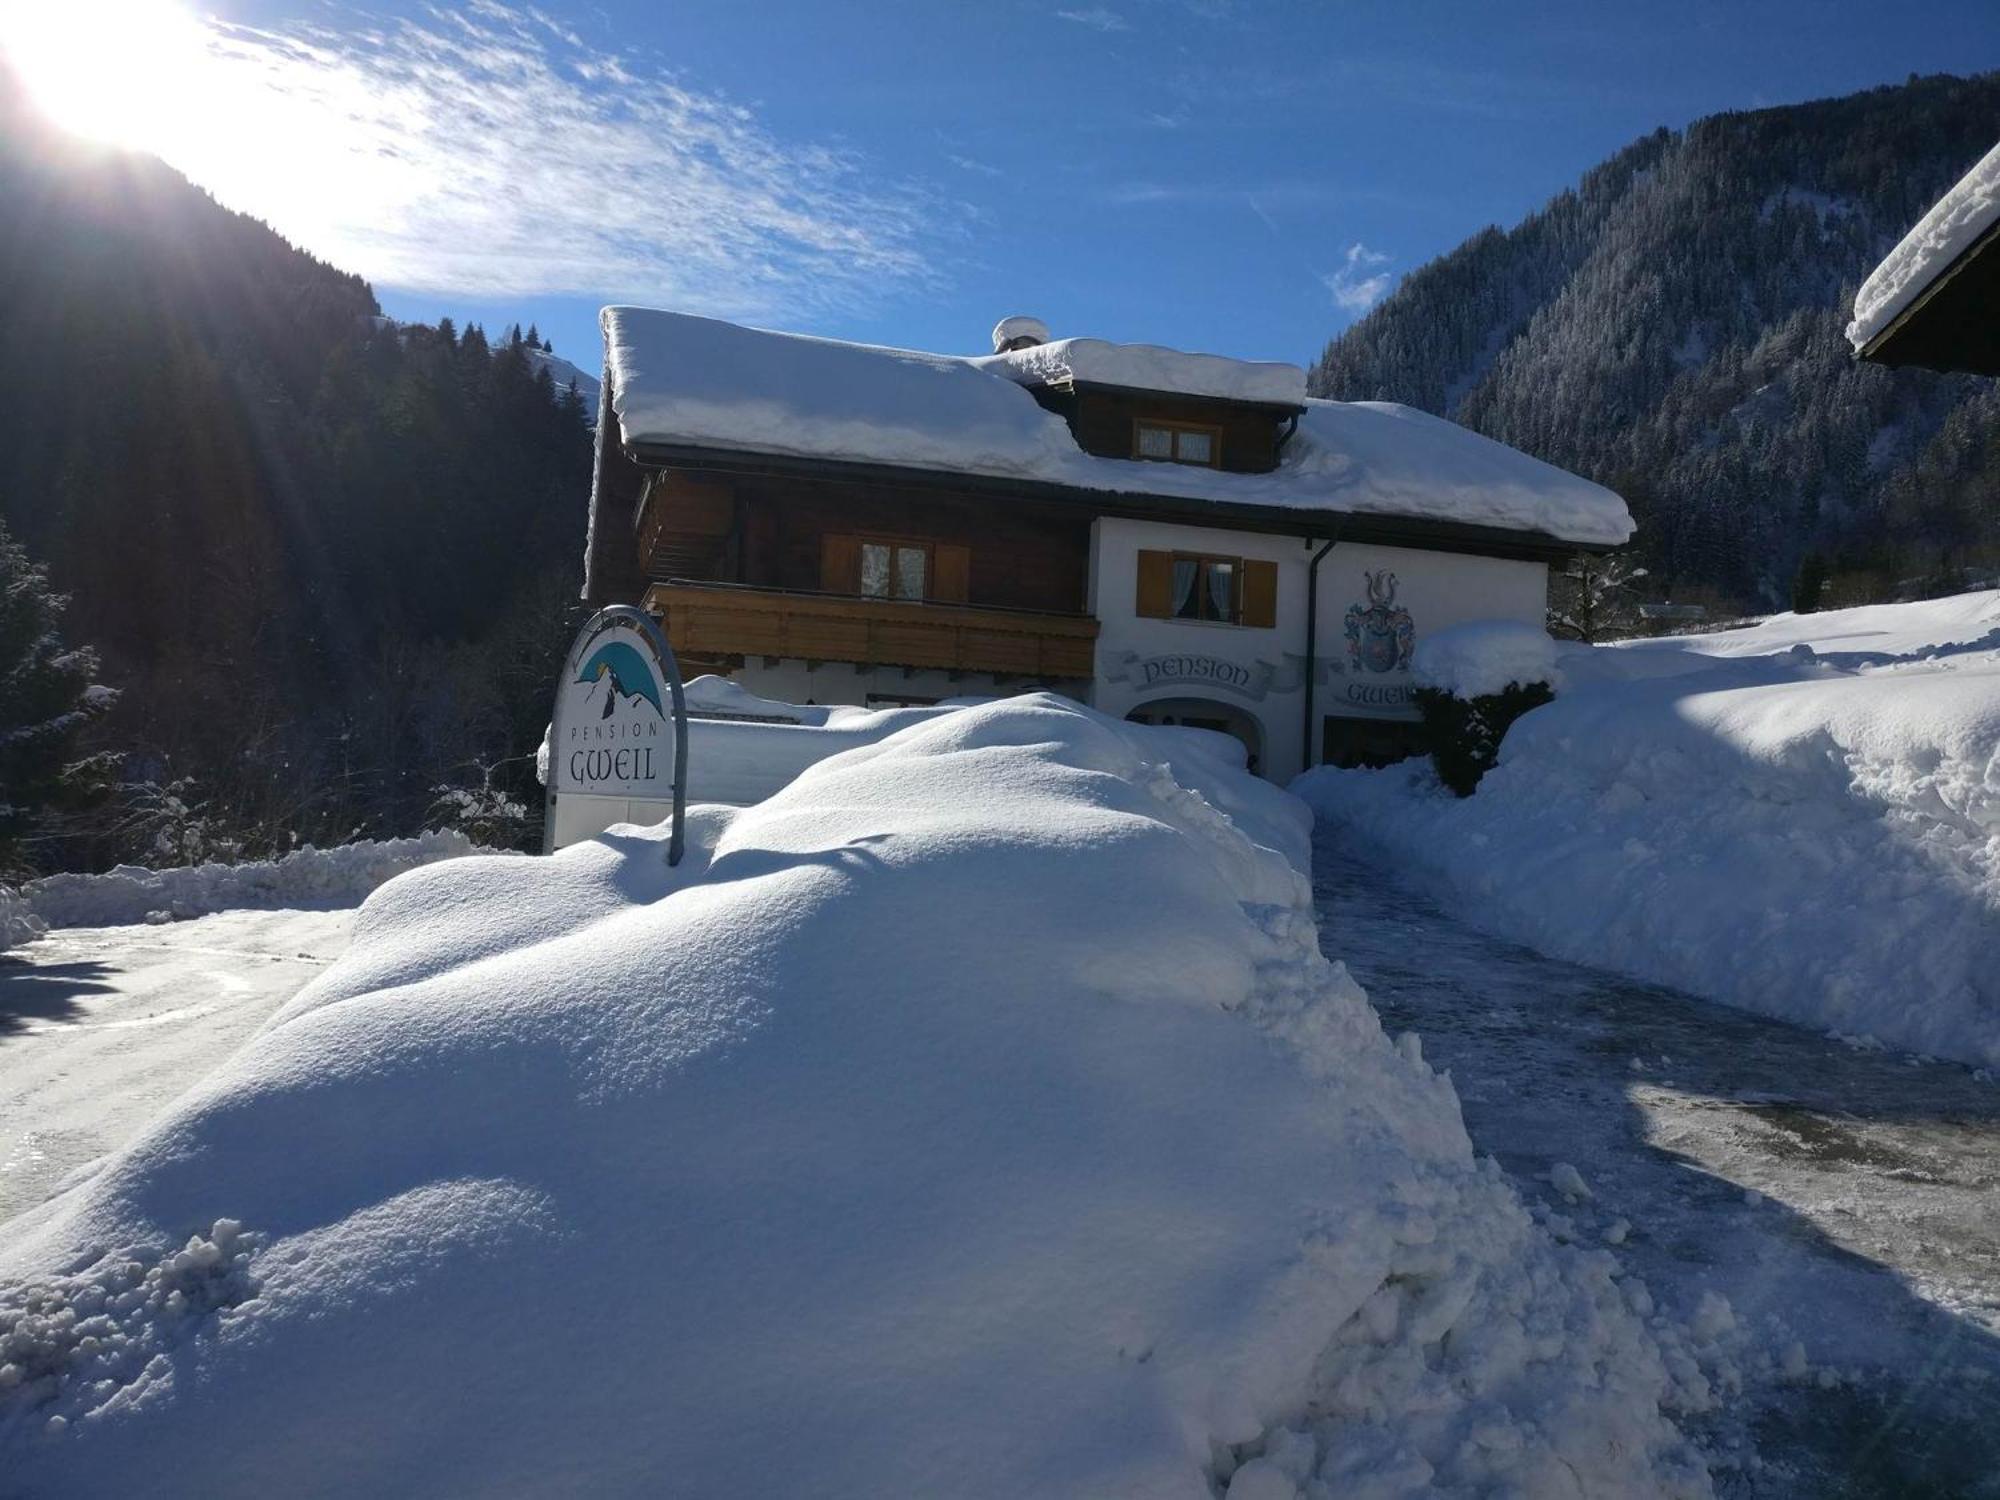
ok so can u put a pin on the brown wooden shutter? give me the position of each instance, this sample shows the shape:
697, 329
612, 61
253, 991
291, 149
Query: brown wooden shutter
951, 568
840, 564
1156, 585
1260, 593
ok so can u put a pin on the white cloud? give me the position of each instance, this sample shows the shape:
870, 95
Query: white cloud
492, 152
1357, 285
1097, 17
971, 164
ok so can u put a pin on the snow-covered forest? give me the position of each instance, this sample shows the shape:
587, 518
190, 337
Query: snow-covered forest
325, 561
1672, 327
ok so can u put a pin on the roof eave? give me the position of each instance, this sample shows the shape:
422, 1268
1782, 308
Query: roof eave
1878, 349
1356, 526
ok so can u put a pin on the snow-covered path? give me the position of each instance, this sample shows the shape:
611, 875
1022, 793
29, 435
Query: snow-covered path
1842, 1198
101, 1026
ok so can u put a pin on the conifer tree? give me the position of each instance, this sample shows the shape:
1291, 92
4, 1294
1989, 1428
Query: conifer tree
46, 698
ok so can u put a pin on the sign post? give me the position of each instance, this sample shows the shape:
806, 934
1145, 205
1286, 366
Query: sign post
618, 738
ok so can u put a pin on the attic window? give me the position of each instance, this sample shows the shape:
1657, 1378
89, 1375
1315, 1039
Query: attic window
1177, 442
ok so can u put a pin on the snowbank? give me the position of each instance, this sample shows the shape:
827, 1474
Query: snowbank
18, 922
977, 1116
742, 748
1485, 656
681, 380
1954, 223
1867, 635
1812, 832
306, 877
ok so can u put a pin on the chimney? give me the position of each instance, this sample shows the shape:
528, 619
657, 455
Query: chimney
1014, 333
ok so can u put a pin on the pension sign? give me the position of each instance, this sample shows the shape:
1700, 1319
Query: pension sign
618, 735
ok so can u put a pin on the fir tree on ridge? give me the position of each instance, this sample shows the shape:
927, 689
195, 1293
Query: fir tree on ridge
48, 695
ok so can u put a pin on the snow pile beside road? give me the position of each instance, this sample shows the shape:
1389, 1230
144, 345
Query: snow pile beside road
742, 748
307, 877
974, 1117
18, 922
1485, 656
1812, 833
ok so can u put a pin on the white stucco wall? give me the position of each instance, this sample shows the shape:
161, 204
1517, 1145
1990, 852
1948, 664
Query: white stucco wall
1260, 672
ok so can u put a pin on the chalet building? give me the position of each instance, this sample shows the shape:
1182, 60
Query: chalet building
1172, 537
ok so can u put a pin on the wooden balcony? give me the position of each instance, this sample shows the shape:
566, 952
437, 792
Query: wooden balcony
712, 623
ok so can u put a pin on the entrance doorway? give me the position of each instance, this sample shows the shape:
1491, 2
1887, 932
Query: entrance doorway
1206, 713
1348, 742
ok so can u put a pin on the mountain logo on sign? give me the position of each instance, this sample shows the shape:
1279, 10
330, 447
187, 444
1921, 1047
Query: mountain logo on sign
629, 675
1380, 635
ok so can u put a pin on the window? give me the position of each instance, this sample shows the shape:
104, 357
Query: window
903, 569
1205, 587
1176, 442
894, 570
1196, 586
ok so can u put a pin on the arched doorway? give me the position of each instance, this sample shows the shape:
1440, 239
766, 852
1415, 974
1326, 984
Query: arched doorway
1206, 713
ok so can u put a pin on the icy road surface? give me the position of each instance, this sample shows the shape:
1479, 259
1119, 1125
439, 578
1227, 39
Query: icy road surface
1842, 1198
101, 1026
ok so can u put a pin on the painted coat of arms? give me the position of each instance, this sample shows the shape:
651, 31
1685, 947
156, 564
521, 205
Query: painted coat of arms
1380, 635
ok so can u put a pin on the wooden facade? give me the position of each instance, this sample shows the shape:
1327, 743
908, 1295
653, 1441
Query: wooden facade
774, 533
716, 627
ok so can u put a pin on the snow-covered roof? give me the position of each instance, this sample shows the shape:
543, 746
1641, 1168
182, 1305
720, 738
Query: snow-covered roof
1956, 221
686, 381
1148, 367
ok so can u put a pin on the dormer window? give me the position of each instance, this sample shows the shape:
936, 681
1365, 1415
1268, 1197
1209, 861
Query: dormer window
1177, 442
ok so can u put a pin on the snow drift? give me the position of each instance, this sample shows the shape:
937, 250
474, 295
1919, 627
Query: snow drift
306, 877
18, 922
1482, 657
977, 1116
1801, 819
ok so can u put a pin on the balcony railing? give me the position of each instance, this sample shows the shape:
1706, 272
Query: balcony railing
709, 621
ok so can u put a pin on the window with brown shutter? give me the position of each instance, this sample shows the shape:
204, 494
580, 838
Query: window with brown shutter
1197, 586
907, 569
840, 564
951, 576
1260, 593
1156, 585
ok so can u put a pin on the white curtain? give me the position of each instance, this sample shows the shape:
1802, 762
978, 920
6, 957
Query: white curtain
1221, 581
1184, 575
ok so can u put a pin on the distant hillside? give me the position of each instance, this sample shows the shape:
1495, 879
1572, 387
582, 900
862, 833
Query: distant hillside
323, 555
1672, 326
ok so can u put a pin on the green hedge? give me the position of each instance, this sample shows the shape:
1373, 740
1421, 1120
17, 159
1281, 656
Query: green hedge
1464, 734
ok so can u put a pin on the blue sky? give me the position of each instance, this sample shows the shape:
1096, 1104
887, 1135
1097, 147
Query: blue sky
1215, 174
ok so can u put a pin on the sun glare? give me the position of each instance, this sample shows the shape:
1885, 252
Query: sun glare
127, 72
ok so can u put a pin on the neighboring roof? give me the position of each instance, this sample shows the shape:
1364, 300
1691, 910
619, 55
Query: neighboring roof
681, 382
1911, 297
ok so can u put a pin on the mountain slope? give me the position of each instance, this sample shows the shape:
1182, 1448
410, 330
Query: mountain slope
323, 555
1672, 326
